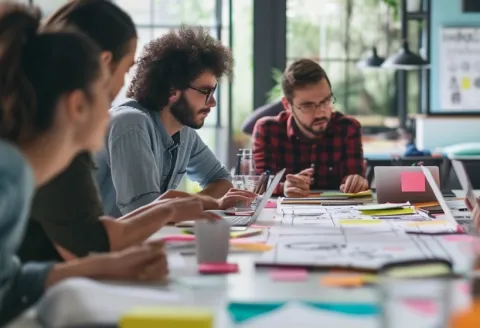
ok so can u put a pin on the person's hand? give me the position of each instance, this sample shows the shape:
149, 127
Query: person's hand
169, 194
354, 183
236, 195
476, 214
147, 262
298, 185
187, 209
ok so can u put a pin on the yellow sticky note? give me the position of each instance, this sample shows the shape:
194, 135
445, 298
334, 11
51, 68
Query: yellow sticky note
466, 83
360, 194
397, 211
423, 223
253, 247
359, 221
246, 233
167, 316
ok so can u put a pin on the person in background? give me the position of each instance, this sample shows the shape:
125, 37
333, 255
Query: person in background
408, 139
151, 141
54, 91
68, 208
320, 147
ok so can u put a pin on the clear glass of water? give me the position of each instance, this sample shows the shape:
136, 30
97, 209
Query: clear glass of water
422, 302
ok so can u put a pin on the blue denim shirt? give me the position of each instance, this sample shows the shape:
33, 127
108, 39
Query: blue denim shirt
134, 166
20, 285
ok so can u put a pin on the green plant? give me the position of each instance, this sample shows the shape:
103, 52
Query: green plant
275, 93
393, 4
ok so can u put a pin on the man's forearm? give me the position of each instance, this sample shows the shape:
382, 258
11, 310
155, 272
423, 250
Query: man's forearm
217, 189
136, 228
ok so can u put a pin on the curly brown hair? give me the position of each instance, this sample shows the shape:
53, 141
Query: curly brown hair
173, 61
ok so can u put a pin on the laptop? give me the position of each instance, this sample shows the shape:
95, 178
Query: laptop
433, 183
464, 180
400, 184
243, 221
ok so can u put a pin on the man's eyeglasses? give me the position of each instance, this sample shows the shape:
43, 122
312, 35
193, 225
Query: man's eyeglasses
311, 107
207, 92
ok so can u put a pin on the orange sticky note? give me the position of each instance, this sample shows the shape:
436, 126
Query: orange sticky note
348, 280
412, 182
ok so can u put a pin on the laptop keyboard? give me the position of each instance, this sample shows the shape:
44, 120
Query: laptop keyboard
238, 220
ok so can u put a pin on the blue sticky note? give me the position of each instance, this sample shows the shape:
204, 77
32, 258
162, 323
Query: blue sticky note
243, 311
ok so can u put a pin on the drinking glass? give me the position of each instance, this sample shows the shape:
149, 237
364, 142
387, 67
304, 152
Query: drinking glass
247, 164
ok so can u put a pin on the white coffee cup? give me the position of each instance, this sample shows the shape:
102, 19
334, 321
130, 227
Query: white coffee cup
212, 240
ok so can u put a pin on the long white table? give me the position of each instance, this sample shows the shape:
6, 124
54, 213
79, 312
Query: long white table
249, 284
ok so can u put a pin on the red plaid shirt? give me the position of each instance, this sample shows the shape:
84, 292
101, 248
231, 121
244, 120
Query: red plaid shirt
278, 144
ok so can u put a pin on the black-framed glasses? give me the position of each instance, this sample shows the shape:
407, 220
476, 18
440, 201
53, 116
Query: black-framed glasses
324, 104
207, 92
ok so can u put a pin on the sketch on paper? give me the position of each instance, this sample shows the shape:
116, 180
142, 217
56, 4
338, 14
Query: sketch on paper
326, 247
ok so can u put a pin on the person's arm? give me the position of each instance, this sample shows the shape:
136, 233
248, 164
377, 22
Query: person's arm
353, 162
135, 170
206, 169
263, 155
68, 209
25, 289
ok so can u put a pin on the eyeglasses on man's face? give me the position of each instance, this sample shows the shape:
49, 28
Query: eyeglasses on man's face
310, 107
207, 92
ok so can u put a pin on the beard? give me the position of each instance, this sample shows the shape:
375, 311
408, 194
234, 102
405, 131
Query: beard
186, 115
316, 130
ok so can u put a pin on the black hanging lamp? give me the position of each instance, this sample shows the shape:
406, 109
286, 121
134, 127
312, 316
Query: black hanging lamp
371, 62
405, 59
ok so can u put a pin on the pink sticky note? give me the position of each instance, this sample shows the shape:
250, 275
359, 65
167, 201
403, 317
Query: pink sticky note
412, 182
289, 275
212, 268
426, 307
180, 238
459, 238
271, 204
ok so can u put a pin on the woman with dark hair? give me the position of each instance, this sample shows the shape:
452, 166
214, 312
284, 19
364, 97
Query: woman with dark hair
54, 96
68, 208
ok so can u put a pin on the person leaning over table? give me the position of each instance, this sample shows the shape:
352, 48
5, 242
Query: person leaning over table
54, 91
321, 148
152, 141
68, 208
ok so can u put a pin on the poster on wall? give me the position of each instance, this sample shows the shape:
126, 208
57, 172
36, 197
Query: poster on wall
460, 69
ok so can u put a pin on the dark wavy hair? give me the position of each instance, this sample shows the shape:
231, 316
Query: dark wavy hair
36, 69
173, 61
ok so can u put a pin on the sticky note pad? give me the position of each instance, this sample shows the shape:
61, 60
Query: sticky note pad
217, 268
412, 182
254, 247
466, 83
271, 204
246, 233
167, 316
289, 275
347, 280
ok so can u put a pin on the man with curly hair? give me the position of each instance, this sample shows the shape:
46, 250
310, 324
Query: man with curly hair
151, 142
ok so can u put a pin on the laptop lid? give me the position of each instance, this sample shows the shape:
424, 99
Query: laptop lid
438, 194
400, 184
266, 196
464, 180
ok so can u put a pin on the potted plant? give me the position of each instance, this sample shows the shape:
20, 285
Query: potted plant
412, 5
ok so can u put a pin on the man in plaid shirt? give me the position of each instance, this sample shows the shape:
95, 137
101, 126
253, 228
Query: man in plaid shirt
319, 147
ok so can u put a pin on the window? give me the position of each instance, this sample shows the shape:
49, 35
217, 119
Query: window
339, 33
